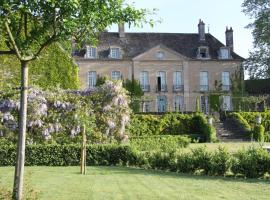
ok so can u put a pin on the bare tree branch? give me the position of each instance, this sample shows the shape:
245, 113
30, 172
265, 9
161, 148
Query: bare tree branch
11, 52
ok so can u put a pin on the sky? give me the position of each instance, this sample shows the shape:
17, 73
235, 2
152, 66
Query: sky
182, 16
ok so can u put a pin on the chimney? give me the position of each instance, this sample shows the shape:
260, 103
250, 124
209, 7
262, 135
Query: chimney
121, 30
201, 30
229, 38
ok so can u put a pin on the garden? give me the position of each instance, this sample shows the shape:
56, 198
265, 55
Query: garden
170, 146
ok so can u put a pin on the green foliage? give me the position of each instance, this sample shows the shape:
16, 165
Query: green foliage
53, 68
220, 162
251, 163
258, 133
135, 92
159, 143
240, 121
258, 64
172, 124
214, 102
257, 86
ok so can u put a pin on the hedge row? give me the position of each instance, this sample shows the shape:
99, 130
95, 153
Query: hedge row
172, 124
251, 163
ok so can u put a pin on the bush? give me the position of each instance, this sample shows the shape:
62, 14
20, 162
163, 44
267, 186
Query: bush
251, 163
202, 159
258, 133
267, 136
220, 162
185, 163
163, 143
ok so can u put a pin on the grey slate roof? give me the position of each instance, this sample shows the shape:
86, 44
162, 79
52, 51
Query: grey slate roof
135, 44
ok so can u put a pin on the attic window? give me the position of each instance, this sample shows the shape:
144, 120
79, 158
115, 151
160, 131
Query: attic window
160, 55
115, 53
91, 52
203, 52
224, 53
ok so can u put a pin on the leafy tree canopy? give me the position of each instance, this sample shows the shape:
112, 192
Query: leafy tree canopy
258, 63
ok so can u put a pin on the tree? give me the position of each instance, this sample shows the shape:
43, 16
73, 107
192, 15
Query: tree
258, 63
30, 26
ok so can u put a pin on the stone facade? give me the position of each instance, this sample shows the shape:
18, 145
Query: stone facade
175, 72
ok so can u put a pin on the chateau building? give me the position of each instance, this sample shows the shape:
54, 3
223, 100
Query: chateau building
176, 71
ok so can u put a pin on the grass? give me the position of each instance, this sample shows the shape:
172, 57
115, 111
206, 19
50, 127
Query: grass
119, 183
231, 146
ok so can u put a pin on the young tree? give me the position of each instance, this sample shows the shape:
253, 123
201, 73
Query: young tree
29, 26
258, 63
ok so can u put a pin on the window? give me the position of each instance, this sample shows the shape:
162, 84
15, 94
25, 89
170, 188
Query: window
91, 52
115, 53
178, 103
146, 106
160, 55
144, 81
177, 81
224, 53
204, 81
225, 81
161, 81
203, 52
204, 104
92, 79
116, 75
161, 103
226, 103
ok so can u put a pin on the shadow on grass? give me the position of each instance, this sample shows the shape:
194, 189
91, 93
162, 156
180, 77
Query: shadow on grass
105, 170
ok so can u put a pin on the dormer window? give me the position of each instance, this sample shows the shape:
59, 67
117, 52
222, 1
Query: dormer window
160, 55
91, 52
115, 53
203, 53
224, 53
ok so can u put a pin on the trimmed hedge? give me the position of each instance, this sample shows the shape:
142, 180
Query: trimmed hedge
240, 121
250, 163
172, 124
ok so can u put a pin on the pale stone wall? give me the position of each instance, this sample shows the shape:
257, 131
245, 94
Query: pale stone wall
173, 62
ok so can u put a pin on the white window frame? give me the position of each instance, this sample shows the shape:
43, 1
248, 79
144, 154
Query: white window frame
163, 78
177, 80
144, 80
224, 53
178, 103
225, 80
146, 106
91, 52
203, 48
204, 81
92, 79
115, 53
226, 99
116, 75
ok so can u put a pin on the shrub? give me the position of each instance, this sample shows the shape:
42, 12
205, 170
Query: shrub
185, 163
220, 162
267, 136
202, 159
258, 133
163, 143
251, 163
163, 161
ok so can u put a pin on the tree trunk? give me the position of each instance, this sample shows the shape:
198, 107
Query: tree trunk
19, 168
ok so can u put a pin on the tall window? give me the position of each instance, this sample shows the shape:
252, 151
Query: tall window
146, 106
161, 103
226, 103
144, 81
161, 81
115, 53
116, 75
204, 81
225, 81
92, 79
177, 80
178, 103
91, 52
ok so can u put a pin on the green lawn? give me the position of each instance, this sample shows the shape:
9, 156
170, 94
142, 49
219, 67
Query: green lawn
231, 146
119, 183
